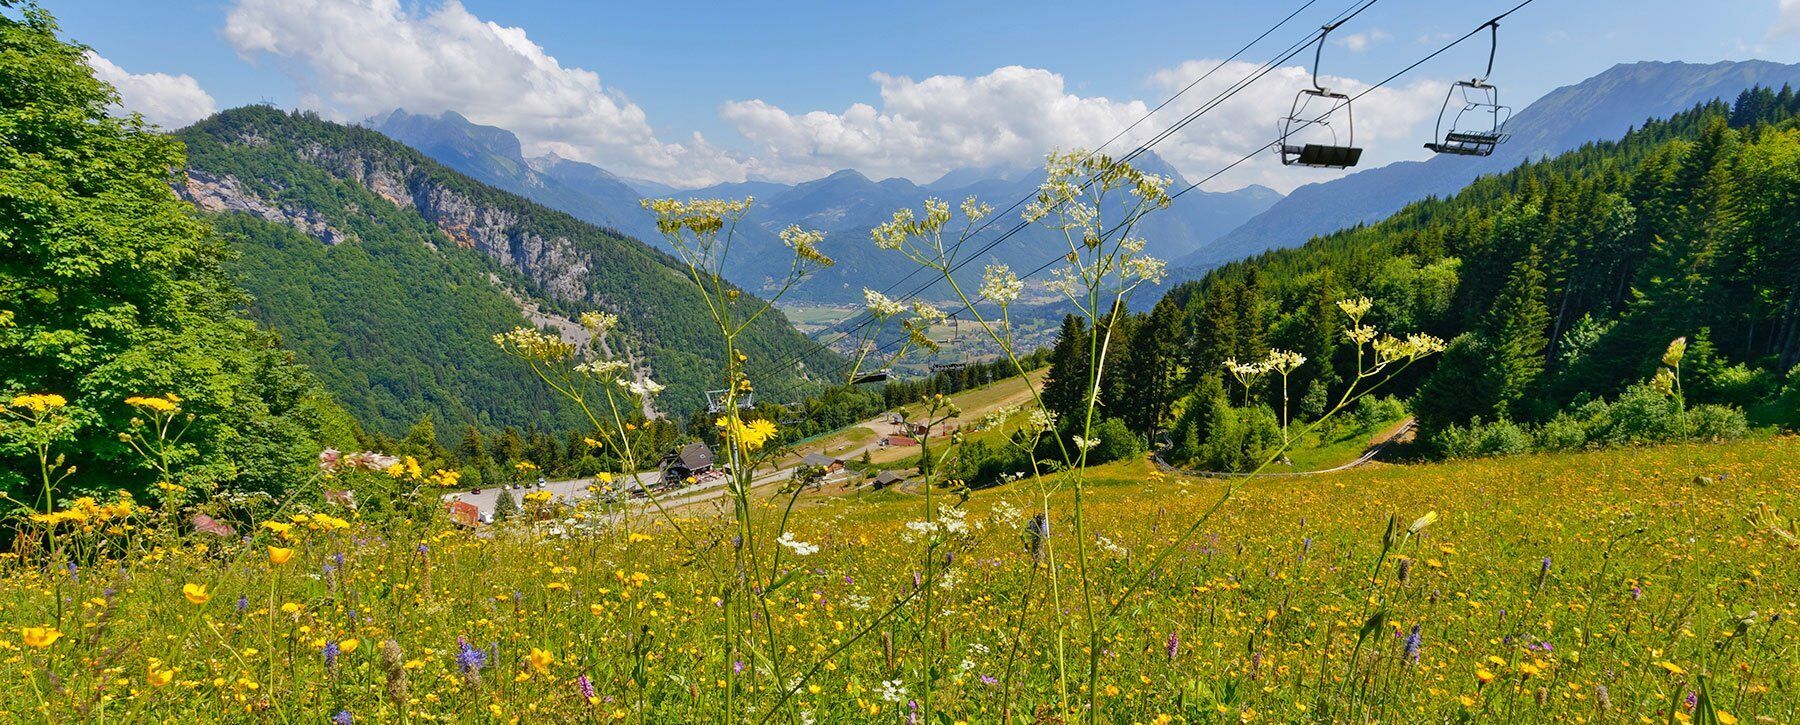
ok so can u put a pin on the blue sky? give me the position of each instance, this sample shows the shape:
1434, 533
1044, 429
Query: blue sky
794, 90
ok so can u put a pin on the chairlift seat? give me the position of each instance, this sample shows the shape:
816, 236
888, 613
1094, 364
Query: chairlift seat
1469, 143
870, 377
1321, 156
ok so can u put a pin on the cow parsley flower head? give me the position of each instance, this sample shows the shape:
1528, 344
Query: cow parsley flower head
880, 307
892, 234
645, 388
602, 369
805, 243
976, 210
599, 323
927, 313
1284, 361
999, 285
1355, 307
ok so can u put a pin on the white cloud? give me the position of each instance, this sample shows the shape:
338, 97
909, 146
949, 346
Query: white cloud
924, 128
360, 57
1014, 115
1391, 123
165, 100
1359, 42
1787, 21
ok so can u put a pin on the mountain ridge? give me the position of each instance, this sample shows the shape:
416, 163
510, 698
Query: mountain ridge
845, 204
438, 262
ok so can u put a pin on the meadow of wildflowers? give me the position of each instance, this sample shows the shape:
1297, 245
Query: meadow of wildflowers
1601, 587
1642, 584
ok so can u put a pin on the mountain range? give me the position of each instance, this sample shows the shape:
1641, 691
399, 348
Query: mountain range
388, 273
845, 204
1603, 107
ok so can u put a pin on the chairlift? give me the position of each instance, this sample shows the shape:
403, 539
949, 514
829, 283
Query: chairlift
962, 360
1316, 108
1486, 118
715, 401
872, 376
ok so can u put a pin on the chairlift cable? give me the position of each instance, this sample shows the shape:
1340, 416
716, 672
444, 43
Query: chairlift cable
1343, 16
1489, 25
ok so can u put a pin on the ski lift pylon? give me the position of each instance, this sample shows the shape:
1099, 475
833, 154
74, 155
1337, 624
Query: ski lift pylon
1306, 114
1484, 127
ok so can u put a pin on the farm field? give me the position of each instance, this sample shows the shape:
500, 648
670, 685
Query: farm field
1607, 586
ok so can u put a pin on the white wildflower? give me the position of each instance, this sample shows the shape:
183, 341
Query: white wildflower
999, 285
893, 691
1086, 444
880, 307
800, 548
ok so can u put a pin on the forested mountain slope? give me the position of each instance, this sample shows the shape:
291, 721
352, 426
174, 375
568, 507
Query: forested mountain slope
1562, 281
388, 272
1600, 108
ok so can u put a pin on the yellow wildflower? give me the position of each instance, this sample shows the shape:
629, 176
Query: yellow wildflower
279, 556
195, 593
40, 637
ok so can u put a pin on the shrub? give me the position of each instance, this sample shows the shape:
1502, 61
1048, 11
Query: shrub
1241, 438
1117, 442
1717, 423
1479, 440
1373, 411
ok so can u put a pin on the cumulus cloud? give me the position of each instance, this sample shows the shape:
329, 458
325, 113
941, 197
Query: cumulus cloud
924, 128
1391, 122
165, 100
1359, 42
360, 57
1014, 115
1787, 22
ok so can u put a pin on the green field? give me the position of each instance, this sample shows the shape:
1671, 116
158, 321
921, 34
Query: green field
1601, 586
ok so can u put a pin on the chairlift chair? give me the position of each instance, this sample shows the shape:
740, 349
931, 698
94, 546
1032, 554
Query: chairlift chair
872, 376
962, 359
1305, 113
715, 401
1485, 126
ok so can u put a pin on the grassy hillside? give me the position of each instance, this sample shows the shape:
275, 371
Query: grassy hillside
395, 299
1606, 586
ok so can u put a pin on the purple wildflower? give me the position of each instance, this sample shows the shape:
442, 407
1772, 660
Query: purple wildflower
989, 680
243, 603
585, 687
1692, 700
1174, 646
1413, 641
469, 659
331, 653
341, 718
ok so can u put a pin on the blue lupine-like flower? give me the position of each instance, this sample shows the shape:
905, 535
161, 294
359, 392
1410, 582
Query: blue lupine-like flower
469, 659
1413, 641
331, 653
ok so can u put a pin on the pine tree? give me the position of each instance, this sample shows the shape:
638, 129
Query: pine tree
1148, 368
1515, 333
471, 450
1066, 386
504, 506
